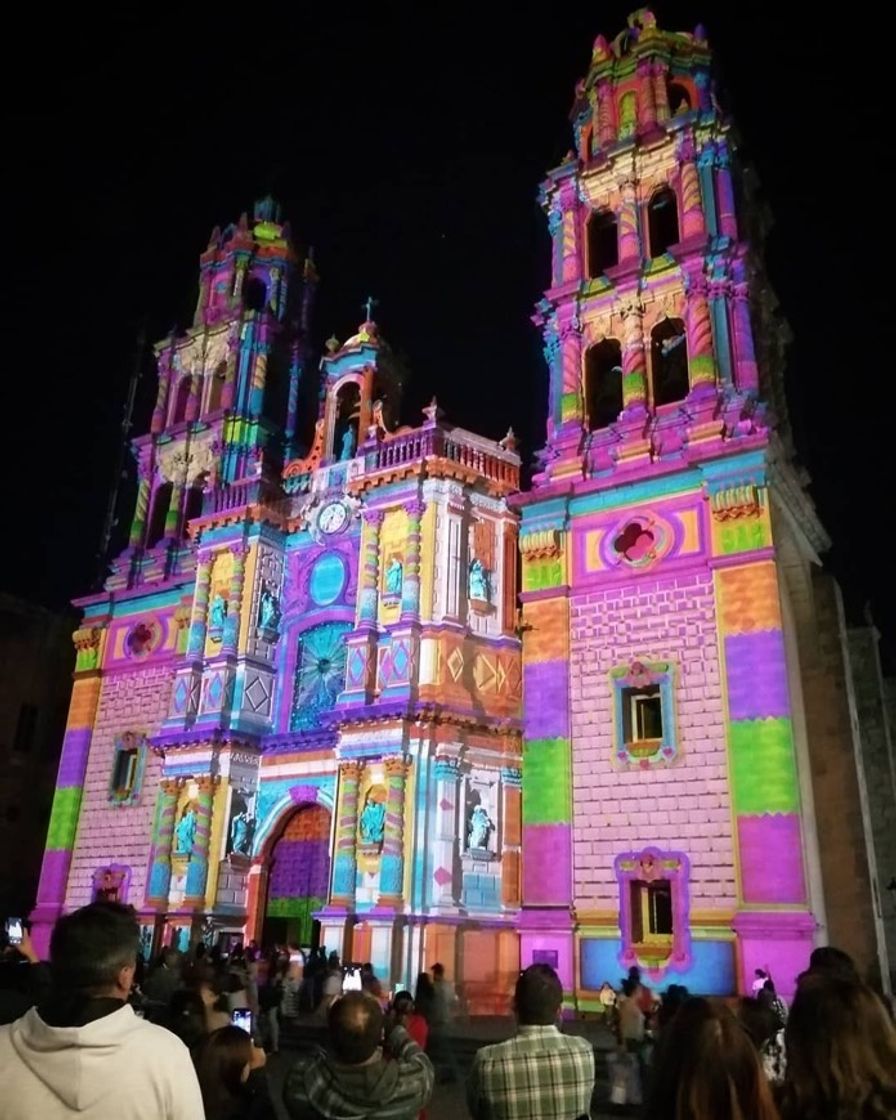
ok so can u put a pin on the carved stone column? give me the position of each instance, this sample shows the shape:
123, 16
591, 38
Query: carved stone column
725, 188
701, 358
629, 238
368, 589
392, 857
693, 220
235, 600
346, 855
160, 850
660, 91
197, 869
606, 124
172, 517
634, 364
138, 525
410, 585
646, 97
445, 835
199, 615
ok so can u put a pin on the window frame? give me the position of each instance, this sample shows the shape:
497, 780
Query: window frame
637, 872
128, 742
627, 682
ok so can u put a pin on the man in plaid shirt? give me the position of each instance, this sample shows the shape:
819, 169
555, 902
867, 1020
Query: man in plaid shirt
540, 1074
357, 1082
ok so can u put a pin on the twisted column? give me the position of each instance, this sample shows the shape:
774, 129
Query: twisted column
160, 849
158, 413
646, 97
660, 92
138, 525
392, 858
606, 124
701, 357
410, 585
747, 371
193, 401
235, 600
572, 258
197, 868
199, 615
629, 240
571, 358
725, 189
346, 855
693, 222
368, 591
172, 517
634, 364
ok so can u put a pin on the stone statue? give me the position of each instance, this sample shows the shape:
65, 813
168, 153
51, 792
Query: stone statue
241, 828
347, 450
186, 831
394, 577
478, 581
480, 827
373, 821
217, 614
269, 610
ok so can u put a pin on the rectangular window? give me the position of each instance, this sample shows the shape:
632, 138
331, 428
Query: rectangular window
25, 726
642, 714
651, 910
124, 776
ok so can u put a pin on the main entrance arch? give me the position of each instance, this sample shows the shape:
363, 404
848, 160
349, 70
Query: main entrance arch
298, 878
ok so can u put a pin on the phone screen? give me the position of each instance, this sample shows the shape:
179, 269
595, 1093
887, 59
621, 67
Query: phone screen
242, 1017
14, 930
351, 980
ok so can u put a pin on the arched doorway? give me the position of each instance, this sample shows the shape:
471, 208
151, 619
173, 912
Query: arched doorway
298, 878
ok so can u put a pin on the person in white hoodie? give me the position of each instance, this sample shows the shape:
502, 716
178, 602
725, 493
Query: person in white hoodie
84, 1053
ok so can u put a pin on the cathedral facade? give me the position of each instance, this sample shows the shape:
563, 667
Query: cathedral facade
306, 706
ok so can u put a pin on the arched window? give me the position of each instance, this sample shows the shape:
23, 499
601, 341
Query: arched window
662, 221
193, 506
627, 115
160, 503
679, 98
669, 362
320, 673
255, 293
603, 242
216, 387
181, 398
345, 428
603, 384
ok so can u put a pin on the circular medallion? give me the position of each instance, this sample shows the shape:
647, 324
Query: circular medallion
327, 579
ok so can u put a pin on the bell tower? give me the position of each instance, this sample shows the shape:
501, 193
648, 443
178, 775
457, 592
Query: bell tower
662, 698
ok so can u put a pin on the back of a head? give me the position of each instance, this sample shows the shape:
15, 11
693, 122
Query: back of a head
708, 1069
538, 996
841, 1047
833, 961
403, 1003
758, 1020
438, 972
90, 947
356, 1027
221, 1059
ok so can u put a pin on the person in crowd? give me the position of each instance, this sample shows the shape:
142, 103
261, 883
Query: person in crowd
707, 1068
769, 996
231, 1077
187, 1017
289, 1001
442, 1013
831, 960
760, 976
539, 1074
24, 978
210, 986
161, 983
631, 1018
356, 1079
370, 982
83, 1052
841, 1052
270, 997
331, 989
766, 1032
674, 996
642, 993
403, 1013
424, 997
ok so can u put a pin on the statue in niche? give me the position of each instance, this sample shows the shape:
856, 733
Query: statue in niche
242, 828
373, 819
217, 616
268, 610
478, 581
394, 577
347, 447
186, 831
480, 827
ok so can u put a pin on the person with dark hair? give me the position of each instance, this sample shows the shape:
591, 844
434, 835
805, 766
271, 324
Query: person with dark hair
833, 961
424, 997
766, 1032
83, 1052
770, 998
231, 1077
403, 1013
162, 982
841, 1052
540, 1074
356, 1079
707, 1068
442, 1010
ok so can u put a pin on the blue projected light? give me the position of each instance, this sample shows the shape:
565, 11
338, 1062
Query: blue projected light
327, 579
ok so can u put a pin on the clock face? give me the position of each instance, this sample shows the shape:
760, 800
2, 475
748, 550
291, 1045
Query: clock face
332, 517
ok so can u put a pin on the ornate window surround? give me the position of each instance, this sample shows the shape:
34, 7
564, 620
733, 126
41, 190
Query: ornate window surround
648, 752
128, 741
649, 865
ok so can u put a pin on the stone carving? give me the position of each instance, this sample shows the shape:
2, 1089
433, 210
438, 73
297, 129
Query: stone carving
268, 611
185, 833
478, 581
394, 578
217, 616
372, 822
347, 447
242, 829
480, 827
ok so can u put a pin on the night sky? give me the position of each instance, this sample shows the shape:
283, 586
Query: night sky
406, 145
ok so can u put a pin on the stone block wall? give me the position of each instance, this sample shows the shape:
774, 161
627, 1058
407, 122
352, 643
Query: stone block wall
108, 833
684, 807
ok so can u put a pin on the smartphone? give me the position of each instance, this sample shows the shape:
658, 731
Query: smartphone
14, 930
242, 1017
351, 980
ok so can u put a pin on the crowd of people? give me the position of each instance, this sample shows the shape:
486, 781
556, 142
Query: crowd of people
89, 1036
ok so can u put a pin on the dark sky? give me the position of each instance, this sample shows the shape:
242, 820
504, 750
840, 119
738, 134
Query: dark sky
406, 144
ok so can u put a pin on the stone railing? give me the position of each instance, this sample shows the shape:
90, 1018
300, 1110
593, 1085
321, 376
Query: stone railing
457, 446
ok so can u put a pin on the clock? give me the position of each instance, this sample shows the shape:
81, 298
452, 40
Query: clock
332, 517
